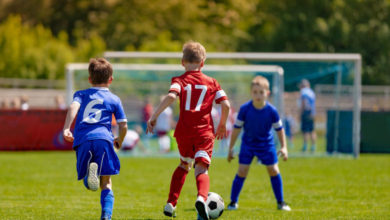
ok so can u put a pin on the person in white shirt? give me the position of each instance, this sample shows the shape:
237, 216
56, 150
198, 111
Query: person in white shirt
163, 126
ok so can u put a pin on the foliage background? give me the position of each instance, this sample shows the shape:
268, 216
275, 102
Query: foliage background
37, 37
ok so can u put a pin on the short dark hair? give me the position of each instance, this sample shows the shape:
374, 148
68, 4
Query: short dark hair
100, 70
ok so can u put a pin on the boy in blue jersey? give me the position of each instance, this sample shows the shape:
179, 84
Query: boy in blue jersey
308, 110
93, 140
258, 117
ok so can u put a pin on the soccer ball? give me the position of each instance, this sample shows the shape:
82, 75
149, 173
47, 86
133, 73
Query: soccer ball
215, 205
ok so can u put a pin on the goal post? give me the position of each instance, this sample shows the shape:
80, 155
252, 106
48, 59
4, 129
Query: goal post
343, 69
150, 76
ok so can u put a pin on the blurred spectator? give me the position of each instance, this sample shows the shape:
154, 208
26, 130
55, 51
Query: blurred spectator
60, 102
163, 126
15, 103
5, 104
216, 115
289, 127
24, 102
147, 111
307, 109
132, 140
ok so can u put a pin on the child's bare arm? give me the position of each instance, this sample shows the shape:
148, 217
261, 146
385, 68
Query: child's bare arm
167, 101
70, 116
122, 134
233, 138
283, 148
221, 130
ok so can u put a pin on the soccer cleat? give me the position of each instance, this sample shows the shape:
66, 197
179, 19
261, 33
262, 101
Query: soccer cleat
93, 178
233, 206
85, 181
201, 207
105, 216
169, 210
283, 206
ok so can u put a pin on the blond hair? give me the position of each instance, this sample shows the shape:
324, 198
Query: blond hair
194, 52
260, 81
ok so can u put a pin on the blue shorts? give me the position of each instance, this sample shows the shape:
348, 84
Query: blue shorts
266, 156
307, 122
99, 151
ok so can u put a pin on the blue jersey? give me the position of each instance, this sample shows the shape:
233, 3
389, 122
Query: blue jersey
95, 114
308, 99
258, 124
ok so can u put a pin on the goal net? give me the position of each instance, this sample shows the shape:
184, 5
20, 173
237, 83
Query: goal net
337, 119
137, 83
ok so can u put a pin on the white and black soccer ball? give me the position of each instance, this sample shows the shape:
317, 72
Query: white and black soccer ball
215, 205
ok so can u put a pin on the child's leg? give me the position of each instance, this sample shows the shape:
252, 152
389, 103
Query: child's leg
203, 185
202, 179
106, 197
306, 136
238, 182
276, 182
313, 140
177, 182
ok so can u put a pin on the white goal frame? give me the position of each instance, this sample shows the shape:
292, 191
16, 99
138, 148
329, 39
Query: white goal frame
330, 57
276, 72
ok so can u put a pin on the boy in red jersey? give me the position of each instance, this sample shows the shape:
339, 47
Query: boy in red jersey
194, 132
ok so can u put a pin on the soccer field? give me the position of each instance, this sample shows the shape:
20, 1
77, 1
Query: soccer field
42, 185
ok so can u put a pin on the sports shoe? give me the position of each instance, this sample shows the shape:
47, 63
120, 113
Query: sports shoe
105, 216
85, 181
233, 206
93, 178
283, 206
169, 210
201, 207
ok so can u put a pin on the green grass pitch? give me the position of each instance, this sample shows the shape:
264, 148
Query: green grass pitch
42, 185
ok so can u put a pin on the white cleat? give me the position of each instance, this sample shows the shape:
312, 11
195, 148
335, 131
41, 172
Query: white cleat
284, 207
201, 207
169, 210
93, 178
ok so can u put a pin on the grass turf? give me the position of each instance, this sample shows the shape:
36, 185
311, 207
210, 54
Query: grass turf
42, 185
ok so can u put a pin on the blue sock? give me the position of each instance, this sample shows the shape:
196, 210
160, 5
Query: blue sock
238, 182
277, 186
304, 147
107, 201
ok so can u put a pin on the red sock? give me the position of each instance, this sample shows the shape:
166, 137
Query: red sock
177, 182
203, 184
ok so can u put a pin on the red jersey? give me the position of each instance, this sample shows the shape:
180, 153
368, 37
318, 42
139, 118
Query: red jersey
197, 92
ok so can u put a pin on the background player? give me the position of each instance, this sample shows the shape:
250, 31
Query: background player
93, 139
258, 117
195, 129
307, 105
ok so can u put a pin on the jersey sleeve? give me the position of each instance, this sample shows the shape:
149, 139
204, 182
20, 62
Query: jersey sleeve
175, 86
220, 94
119, 113
240, 118
77, 97
276, 121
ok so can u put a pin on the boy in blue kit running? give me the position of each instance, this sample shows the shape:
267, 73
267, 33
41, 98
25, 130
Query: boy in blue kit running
93, 140
258, 117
